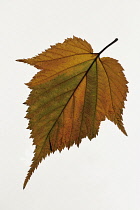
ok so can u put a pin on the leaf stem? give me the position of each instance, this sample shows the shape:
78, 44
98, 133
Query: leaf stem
115, 40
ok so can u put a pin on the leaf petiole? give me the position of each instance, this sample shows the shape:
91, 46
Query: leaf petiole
115, 40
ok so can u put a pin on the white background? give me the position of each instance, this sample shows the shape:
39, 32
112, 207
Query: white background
102, 174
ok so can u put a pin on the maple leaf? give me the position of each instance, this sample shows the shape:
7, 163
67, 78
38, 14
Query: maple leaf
74, 91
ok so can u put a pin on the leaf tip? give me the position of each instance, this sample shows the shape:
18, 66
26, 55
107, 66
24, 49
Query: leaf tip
24, 184
28, 177
125, 133
20, 60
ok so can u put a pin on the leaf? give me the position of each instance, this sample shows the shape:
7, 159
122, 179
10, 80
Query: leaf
74, 91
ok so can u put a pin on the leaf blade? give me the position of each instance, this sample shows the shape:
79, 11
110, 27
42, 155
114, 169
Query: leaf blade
117, 95
74, 91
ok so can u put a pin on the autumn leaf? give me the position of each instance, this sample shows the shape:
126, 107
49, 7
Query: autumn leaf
74, 91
